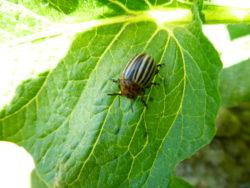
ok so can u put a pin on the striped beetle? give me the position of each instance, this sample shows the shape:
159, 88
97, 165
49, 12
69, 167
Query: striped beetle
137, 76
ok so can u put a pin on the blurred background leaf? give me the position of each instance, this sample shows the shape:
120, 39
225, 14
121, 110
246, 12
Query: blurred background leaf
235, 84
238, 30
177, 182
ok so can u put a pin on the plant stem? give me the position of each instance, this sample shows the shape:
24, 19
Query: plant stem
225, 15
220, 14
171, 16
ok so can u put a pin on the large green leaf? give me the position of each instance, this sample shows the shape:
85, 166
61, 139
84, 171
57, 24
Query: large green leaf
81, 137
234, 85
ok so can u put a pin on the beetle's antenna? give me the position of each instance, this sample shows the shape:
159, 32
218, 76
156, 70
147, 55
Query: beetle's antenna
144, 102
114, 94
159, 65
155, 84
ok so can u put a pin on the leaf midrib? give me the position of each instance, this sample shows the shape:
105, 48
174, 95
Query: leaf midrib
178, 111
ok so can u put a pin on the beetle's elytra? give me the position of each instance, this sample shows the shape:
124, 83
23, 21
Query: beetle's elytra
137, 76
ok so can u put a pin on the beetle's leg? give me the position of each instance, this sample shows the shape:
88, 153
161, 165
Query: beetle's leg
142, 92
155, 84
114, 94
157, 71
144, 102
115, 81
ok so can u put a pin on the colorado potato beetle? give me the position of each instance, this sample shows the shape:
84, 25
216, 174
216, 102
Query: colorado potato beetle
137, 76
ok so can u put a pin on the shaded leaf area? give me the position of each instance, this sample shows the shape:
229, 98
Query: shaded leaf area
238, 30
81, 137
129, 4
63, 5
136, 5
234, 84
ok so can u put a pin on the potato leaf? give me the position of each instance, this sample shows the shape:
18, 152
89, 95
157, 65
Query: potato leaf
81, 137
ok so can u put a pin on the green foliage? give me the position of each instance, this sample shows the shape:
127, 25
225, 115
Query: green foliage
73, 127
27, 90
179, 183
36, 181
81, 137
238, 30
63, 6
234, 85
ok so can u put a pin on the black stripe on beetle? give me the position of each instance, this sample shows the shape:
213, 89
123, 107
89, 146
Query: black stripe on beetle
137, 76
